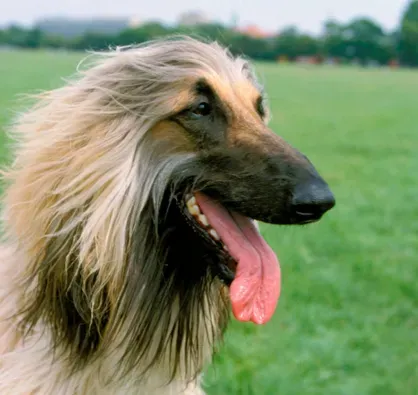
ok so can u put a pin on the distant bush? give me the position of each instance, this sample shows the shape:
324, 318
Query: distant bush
361, 40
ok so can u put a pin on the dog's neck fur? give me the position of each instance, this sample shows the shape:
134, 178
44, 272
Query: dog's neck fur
95, 294
174, 312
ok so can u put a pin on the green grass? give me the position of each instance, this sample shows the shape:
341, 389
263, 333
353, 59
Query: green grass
347, 321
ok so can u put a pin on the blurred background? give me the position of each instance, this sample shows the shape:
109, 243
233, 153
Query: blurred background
343, 88
372, 33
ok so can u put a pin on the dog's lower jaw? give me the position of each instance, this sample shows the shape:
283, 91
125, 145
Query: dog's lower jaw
29, 366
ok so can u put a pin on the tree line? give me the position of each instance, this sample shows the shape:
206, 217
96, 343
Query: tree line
360, 40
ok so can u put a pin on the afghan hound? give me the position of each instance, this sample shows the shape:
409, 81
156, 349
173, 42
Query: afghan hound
129, 221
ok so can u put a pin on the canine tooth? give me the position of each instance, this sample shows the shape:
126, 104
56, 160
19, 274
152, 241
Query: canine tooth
194, 210
257, 226
203, 220
191, 201
226, 248
214, 234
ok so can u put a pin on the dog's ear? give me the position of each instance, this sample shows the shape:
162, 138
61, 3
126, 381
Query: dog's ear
72, 302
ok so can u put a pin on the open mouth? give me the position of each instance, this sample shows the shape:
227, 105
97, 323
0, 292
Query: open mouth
200, 223
248, 262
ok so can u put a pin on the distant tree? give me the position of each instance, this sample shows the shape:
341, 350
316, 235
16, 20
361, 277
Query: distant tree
307, 45
54, 41
291, 43
256, 48
332, 40
210, 31
333, 43
361, 39
15, 36
155, 29
34, 38
367, 40
289, 31
131, 36
140, 34
92, 41
286, 43
408, 36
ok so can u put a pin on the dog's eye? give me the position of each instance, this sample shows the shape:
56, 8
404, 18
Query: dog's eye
260, 108
202, 109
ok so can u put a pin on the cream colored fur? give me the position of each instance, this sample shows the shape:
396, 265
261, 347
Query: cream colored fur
82, 154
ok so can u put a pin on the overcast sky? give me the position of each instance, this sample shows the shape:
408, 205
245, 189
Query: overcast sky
270, 14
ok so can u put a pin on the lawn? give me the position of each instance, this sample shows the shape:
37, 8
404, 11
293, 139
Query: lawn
347, 321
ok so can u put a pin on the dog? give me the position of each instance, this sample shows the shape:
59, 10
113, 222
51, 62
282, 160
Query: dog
129, 221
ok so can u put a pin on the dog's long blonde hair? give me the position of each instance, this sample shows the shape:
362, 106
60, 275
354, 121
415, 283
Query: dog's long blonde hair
91, 166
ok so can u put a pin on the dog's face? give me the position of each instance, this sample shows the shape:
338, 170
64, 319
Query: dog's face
242, 171
243, 164
135, 191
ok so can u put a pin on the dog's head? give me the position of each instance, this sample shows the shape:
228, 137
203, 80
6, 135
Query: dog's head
238, 171
134, 194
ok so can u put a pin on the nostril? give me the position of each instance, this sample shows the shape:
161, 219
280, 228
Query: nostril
310, 211
305, 209
312, 200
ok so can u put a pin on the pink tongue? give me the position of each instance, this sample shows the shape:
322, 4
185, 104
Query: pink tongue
255, 290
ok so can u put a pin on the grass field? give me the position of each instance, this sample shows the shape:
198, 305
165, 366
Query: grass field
347, 321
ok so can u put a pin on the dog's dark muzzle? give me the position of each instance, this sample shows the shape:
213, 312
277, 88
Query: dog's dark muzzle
288, 191
278, 185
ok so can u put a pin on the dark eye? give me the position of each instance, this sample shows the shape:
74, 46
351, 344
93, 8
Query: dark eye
202, 109
260, 107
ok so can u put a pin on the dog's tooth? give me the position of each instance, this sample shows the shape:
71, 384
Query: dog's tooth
194, 210
214, 234
203, 220
191, 201
257, 226
225, 248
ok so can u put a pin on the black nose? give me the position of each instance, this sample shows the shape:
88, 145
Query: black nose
311, 199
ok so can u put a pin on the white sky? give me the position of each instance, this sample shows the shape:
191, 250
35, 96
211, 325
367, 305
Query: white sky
270, 14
